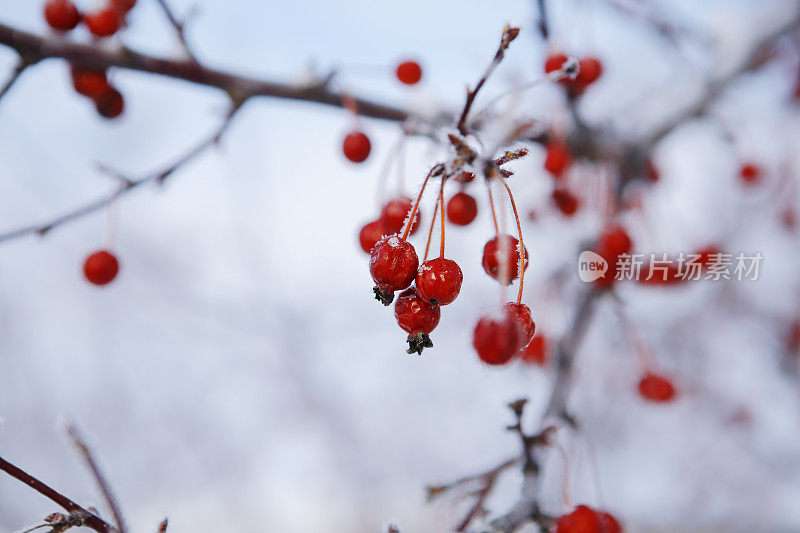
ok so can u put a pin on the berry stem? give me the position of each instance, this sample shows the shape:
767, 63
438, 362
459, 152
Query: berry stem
413, 213
430, 231
521, 241
394, 155
640, 350
441, 205
491, 205
350, 103
564, 475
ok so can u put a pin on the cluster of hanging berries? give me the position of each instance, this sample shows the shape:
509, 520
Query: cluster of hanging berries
584, 519
394, 266
356, 145
63, 15
589, 71
558, 158
500, 334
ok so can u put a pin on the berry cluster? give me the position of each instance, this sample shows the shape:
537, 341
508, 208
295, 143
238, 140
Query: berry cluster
63, 15
589, 71
558, 158
500, 334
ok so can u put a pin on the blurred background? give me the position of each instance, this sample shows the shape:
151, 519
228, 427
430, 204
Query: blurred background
239, 376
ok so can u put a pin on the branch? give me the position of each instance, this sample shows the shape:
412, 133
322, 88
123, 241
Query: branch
35, 48
98, 476
88, 519
509, 34
15, 74
127, 184
178, 26
754, 59
544, 26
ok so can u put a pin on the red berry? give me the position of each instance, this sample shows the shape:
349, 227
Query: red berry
558, 158
462, 209
536, 351
651, 171
493, 252
110, 104
370, 234
582, 520
409, 72
395, 212
554, 62
496, 337
393, 265
525, 324
464, 177
613, 242
89, 82
61, 15
590, 70
103, 23
608, 524
123, 6
439, 281
356, 146
788, 218
101, 267
417, 318
750, 173
565, 201
793, 339
655, 388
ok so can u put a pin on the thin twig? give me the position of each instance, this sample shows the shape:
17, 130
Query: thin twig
22, 64
90, 519
178, 26
127, 184
509, 34
543, 23
98, 476
754, 59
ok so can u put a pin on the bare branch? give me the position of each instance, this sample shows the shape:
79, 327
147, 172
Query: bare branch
178, 26
98, 476
127, 184
240, 87
89, 519
15, 74
509, 34
543, 24
754, 59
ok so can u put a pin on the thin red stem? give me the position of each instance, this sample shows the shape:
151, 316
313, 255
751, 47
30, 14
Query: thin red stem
414, 210
491, 205
521, 241
441, 205
430, 231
